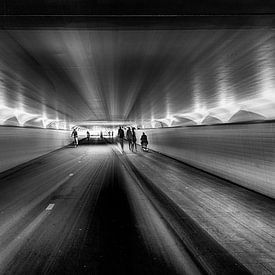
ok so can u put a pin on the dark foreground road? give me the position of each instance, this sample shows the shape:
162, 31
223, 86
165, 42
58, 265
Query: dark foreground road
68, 213
93, 210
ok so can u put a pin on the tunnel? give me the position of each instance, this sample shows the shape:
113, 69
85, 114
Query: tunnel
137, 137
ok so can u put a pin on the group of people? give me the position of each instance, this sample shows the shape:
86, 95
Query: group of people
75, 136
131, 138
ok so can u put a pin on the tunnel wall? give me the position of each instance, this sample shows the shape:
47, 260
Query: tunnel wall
19, 145
241, 153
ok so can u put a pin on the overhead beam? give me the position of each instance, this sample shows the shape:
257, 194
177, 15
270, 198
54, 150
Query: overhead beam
137, 22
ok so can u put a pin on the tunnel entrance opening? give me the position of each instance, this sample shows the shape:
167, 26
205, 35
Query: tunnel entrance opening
94, 141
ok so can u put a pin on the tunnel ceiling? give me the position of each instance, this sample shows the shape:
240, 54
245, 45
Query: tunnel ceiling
139, 7
154, 73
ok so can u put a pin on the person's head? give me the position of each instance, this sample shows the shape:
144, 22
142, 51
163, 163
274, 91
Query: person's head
143, 133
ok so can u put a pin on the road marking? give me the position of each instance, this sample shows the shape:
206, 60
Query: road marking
71, 175
50, 207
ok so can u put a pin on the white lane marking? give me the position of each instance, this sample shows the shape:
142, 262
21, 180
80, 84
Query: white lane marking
71, 175
50, 207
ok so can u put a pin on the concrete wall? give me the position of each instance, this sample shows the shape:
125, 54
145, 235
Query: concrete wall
241, 153
19, 145
244, 153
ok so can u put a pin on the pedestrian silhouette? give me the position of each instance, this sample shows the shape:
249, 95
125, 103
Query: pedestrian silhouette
144, 142
134, 140
121, 138
129, 137
75, 135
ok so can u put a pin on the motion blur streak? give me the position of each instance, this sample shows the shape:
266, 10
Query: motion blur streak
156, 234
19, 145
16, 244
122, 214
95, 238
199, 81
206, 76
186, 197
242, 153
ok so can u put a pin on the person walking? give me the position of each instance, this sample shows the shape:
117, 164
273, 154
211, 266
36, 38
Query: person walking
75, 135
88, 136
121, 137
129, 137
144, 142
134, 145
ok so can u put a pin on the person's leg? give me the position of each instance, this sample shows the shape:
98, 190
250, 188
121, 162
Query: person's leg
120, 142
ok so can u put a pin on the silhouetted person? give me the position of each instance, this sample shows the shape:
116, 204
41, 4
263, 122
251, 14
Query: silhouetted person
121, 137
144, 141
129, 137
88, 136
134, 139
75, 135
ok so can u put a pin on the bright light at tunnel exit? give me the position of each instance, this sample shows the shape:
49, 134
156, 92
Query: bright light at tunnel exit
95, 131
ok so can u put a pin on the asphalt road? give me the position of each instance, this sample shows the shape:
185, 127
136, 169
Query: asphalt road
71, 212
